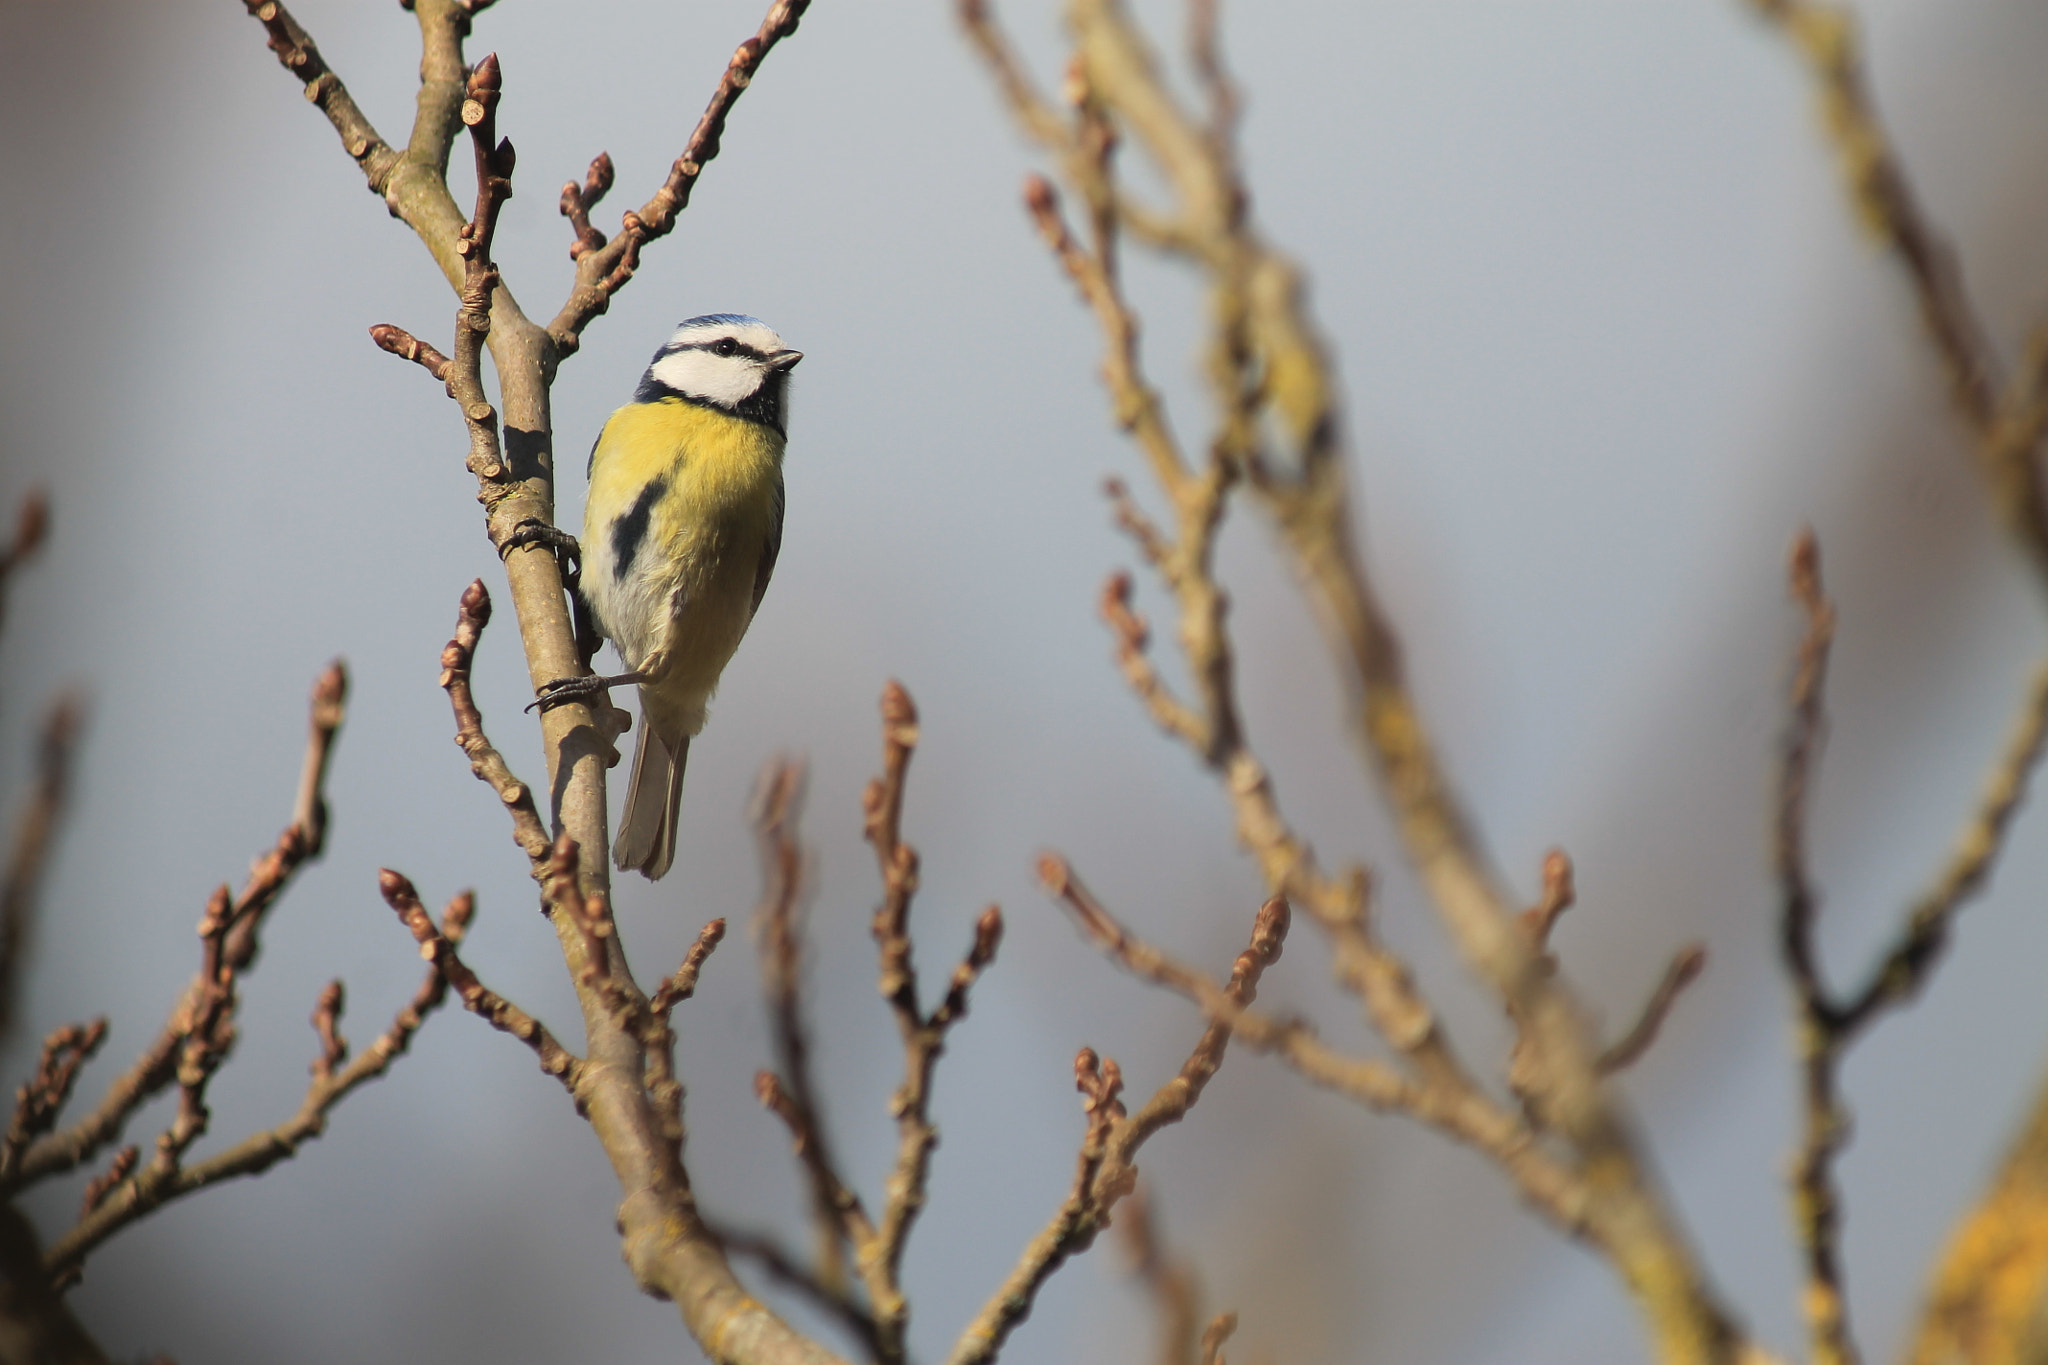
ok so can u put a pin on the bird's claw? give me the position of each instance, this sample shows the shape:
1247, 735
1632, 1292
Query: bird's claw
531, 532
562, 691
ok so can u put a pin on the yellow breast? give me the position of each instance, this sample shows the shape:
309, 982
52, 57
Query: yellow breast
683, 500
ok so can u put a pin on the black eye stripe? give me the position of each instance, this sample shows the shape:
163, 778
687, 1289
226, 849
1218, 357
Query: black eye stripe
739, 348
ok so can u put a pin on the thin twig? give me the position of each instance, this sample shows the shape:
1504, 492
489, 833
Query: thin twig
1107, 1165
602, 268
441, 950
484, 759
836, 1210
2006, 423
1176, 1294
406, 346
237, 921
1684, 968
122, 1195
1825, 1124
31, 529
35, 834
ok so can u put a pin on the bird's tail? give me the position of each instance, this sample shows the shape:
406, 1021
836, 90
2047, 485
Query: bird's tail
654, 796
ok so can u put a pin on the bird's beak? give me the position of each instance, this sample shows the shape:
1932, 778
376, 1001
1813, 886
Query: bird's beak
784, 360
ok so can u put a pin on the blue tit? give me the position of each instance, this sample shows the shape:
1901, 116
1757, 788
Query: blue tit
680, 535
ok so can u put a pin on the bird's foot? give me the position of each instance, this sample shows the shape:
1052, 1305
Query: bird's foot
562, 691
533, 532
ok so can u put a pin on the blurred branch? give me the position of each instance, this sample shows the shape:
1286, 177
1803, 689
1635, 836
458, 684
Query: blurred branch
35, 834
1912, 956
1829, 1025
1176, 1294
2006, 422
1984, 1303
836, 1210
923, 1036
1816, 1201
31, 529
1272, 380
1107, 1169
790, 1272
1683, 970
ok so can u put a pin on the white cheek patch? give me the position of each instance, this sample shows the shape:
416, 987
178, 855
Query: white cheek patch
727, 380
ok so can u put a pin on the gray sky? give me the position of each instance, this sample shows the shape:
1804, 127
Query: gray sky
1610, 338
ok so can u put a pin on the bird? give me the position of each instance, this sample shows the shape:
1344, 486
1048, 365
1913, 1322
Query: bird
681, 531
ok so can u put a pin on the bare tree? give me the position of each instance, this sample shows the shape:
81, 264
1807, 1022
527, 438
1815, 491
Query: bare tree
1549, 1117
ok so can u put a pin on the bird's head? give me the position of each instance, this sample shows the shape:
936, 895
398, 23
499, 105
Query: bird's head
726, 360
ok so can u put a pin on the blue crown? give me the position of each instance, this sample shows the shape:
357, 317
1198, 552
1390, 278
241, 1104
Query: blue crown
720, 320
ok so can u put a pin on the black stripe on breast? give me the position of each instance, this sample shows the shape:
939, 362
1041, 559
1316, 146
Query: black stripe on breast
631, 529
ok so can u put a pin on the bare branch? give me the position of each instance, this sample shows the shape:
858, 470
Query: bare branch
31, 529
1815, 1199
123, 1194
297, 54
602, 268
1911, 959
785, 1269
234, 924
501, 1014
2007, 426
406, 346
1176, 1294
837, 1211
35, 835
484, 759
1107, 1169
1683, 970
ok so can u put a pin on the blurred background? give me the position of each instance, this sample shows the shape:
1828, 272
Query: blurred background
1611, 338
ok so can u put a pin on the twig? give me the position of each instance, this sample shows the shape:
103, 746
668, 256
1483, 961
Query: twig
923, 1036
1214, 1335
123, 1195
1275, 390
2006, 424
31, 529
484, 759
1682, 971
836, 1210
1560, 891
579, 200
37, 1104
406, 346
683, 984
602, 268
1107, 1165
1176, 1295
1911, 958
1825, 1124
35, 834
501, 1014
1828, 1025
235, 924
297, 54
785, 1269
664, 1091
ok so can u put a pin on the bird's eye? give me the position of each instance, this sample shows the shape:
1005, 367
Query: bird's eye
725, 346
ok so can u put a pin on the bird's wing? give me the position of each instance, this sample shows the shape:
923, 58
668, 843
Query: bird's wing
770, 548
